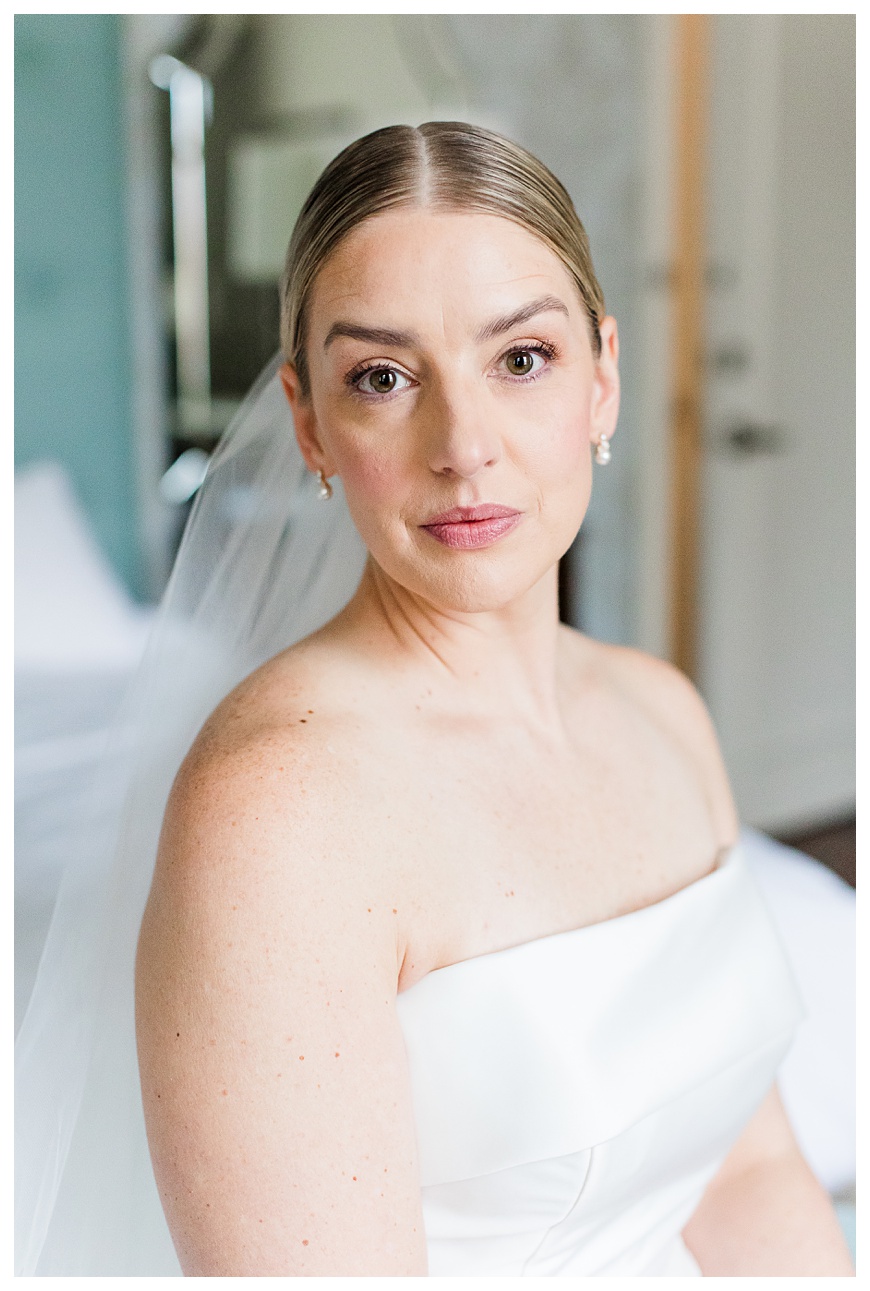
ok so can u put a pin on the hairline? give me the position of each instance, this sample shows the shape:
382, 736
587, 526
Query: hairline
425, 194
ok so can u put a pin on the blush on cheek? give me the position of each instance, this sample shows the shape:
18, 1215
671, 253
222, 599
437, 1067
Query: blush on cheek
369, 477
565, 472
562, 451
376, 488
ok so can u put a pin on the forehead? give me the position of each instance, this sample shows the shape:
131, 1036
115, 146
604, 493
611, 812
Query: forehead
427, 261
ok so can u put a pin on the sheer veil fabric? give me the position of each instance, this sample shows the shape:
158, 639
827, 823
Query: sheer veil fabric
263, 562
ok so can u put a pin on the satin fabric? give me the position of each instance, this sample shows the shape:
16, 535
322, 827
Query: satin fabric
574, 1095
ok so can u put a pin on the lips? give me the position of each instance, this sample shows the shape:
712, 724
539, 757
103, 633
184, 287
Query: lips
469, 527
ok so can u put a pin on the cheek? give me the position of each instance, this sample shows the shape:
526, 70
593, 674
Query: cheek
562, 468
559, 454
377, 484
371, 476
370, 468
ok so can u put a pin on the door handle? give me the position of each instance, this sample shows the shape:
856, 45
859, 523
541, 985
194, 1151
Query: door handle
752, 439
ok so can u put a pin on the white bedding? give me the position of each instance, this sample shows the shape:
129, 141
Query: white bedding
78, 639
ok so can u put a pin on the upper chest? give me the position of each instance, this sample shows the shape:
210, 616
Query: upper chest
483, 839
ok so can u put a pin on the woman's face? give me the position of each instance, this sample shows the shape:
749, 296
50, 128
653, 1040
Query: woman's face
454, 390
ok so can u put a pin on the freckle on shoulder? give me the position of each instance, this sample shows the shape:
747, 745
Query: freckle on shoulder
263, 716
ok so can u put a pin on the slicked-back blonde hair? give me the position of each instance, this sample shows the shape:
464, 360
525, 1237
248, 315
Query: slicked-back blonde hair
446, 165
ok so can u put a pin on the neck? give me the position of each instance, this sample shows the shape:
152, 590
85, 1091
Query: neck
490, 661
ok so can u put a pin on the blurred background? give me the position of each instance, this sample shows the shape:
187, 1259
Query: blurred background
160, 161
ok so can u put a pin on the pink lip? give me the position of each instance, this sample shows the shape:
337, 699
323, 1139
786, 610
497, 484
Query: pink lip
469, 527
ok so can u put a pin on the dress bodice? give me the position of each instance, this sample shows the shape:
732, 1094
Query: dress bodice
575, 1094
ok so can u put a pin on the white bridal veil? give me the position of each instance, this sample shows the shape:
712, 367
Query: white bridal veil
263, 562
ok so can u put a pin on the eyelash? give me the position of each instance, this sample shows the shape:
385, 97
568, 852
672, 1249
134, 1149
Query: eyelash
545, 348
356, 375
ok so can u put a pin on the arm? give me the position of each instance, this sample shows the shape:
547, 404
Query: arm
765, 1213
274, 1077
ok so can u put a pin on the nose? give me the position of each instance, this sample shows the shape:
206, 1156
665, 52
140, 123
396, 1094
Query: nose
463, 437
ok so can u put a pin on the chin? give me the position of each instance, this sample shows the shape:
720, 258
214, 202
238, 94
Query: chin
481, 580
476, 582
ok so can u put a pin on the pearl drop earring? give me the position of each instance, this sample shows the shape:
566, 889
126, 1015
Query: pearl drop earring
602, 450
325, 486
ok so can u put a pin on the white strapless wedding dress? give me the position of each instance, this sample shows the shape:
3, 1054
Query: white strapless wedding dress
575, 1094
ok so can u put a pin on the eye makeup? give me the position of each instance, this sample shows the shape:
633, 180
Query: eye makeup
545, 349
357, 374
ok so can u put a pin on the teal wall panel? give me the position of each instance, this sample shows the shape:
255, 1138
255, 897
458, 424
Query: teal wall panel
72, 359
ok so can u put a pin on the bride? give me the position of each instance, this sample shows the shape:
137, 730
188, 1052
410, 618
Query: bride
450, 963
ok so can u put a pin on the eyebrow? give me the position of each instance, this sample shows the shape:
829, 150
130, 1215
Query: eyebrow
495, 327
375, 335
507, 322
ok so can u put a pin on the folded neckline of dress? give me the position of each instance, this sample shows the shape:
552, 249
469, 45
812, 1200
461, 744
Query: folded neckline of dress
560, 1043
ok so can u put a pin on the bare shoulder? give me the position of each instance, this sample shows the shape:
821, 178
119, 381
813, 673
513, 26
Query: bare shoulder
260, 798
273, 1071
664, 692
661, 694
282, 709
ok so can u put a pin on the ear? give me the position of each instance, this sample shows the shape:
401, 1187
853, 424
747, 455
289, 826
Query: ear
605, 391
304, 421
